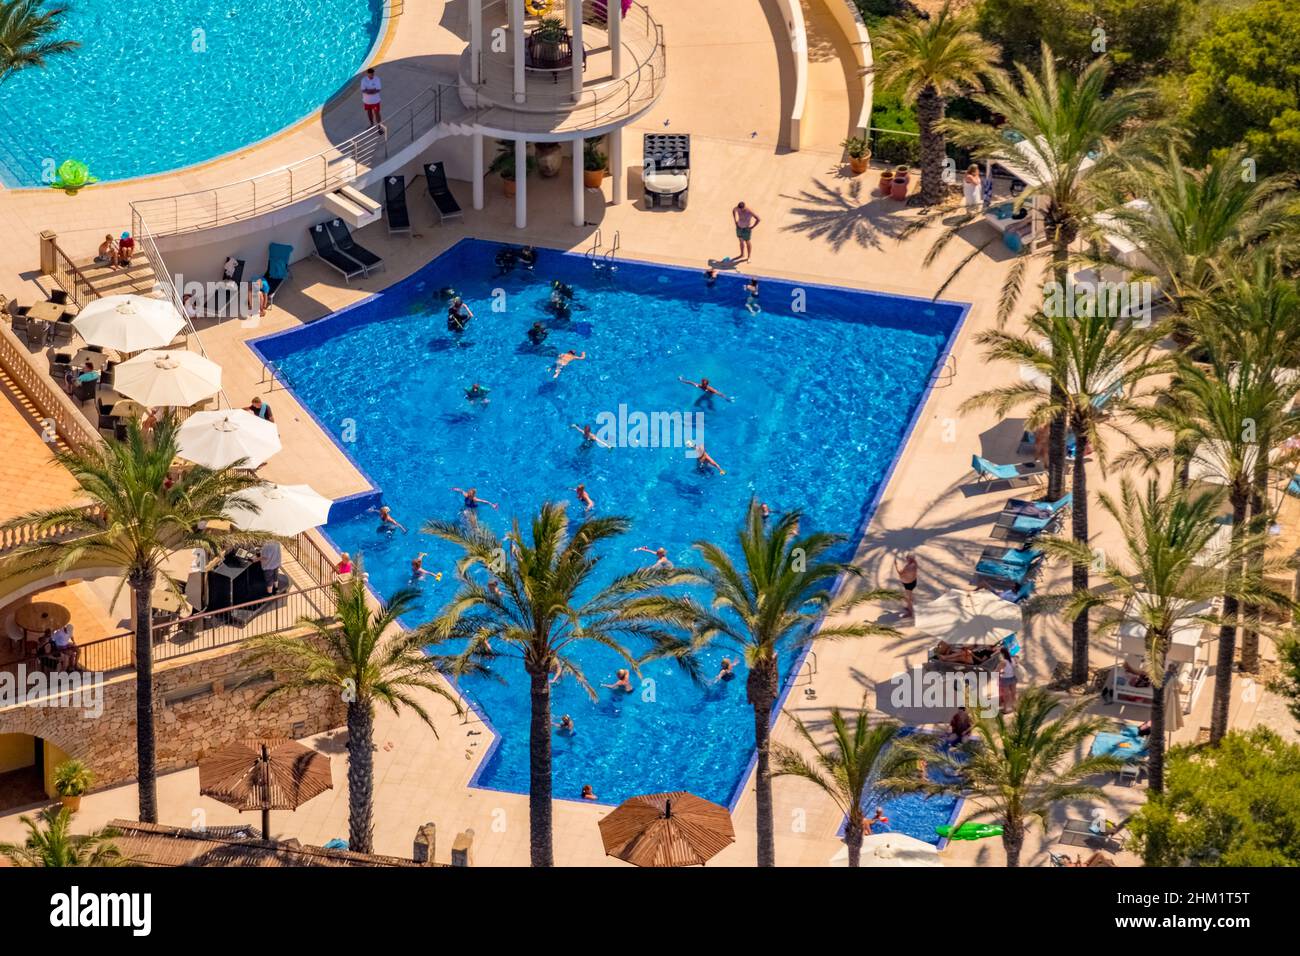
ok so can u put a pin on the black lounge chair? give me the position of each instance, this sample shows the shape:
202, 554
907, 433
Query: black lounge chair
226, 293
443, 200
336, 260
399, 220
344, 243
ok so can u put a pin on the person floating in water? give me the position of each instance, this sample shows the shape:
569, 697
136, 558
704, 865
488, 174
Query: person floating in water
565, 359
710, 277
708, 391
751, 297
419, 572
589, 437
538, 333
387, 522
703, 460
458, 315
446, 293
765, 510
661, 556
472, 500
584, 499
506, 260
565, 726
561, 289
476, 393
624, 682
558, 306
727, 671
527, 256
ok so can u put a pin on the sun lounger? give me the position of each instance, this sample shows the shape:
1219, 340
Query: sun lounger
1079, 833
443, 200
336, 260
1006, 568
986, 658
277, 267
988, 471
395, 212
343, 242
1022, 520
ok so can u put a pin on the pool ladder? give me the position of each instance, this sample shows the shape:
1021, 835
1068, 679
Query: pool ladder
604, 260
944, 376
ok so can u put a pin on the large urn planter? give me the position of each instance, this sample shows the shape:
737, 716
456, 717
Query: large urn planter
550, 158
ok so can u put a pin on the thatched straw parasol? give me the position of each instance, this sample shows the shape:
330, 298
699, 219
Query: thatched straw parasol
272, 773
667, 829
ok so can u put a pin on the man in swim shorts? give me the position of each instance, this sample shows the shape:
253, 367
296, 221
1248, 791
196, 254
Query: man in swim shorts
370, 90
565, 359
907, 573
745, 220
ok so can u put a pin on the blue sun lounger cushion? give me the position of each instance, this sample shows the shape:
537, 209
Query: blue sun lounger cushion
277, 260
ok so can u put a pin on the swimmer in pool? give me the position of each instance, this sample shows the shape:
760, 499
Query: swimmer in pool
527, 256
561, 289
581, 493
419, 571
765, 510
707, 391
565, 726
387, 521
703, 460
710, 277
477, 393
538, 333
472, 500
624, 682
565, 359
589, 437
728, 671
506, 260
751, 297
458, 315
661, 556
558, 306
557, 671
587, 792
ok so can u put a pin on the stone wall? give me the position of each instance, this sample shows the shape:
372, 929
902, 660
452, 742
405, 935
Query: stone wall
200, 703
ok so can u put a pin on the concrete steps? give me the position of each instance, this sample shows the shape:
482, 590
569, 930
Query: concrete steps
137, 279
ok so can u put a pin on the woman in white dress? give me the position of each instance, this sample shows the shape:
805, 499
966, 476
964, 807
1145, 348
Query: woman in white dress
971, 187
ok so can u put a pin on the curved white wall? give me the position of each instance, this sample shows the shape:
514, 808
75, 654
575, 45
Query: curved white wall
849, 19
792, 13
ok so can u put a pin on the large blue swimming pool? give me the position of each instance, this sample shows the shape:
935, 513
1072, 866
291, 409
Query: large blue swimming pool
164, 84
823, 400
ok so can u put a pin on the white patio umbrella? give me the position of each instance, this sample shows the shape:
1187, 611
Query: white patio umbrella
285, 510
128, 323
220, 438
891, 849
977, 617
169, 379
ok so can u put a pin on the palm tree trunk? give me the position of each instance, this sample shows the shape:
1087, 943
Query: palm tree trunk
1255, 561
761, 690
1156, 739
146, 745
853, 838
1061, 240
1013, 838
361, 777
1079, 572
540, 847
929, 112
1228, 632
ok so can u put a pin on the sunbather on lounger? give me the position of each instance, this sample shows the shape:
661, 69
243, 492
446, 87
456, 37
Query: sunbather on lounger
1139, 678
953, 655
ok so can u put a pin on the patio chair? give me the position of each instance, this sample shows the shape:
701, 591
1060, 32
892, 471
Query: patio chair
1079, 832
58, 297
1023, 520
435, 177
344, 243
277, 268
989, 471
395, 212
348, 267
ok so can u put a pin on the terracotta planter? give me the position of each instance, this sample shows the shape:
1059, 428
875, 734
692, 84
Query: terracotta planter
550, 159
898, 190
859, 164
592, 178
886, 182
507, 186
72, 803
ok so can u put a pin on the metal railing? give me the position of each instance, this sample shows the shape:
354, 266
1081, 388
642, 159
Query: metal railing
69, 276
328, 170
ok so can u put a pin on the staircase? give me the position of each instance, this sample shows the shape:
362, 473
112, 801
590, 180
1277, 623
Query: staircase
138, 279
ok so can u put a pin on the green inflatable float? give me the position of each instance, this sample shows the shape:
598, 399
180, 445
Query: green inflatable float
73, 176
970, 831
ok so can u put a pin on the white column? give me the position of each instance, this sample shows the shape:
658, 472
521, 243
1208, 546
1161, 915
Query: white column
521, 182
517, 38
579, 193
575, 28
614, 14
476, 148
615, 137
475, 40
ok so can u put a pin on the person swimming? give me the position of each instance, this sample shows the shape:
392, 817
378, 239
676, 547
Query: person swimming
566, 727
472, 500
588, 793
387, 522
703, 460
661, 556
538, 333
558, 306
458, 315
751, 297
727, 671
707, 391
419, 572
589, 437
565, 359
623, 683
584, 499
561, 288
477, 393
710, 277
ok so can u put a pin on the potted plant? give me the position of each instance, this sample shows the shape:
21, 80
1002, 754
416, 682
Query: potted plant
72, 779
593, 164
504, 165
859, 151
548, 42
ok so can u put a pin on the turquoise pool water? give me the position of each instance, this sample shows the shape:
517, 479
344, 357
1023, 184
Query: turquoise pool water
156, 86
823, 399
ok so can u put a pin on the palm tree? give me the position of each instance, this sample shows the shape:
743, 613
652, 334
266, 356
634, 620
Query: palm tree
51, 842
1170, 572
1195, 221
930, 61
1220, 415
844, 769
1021, 767
534, 613
133, 522
25, 32
1093, 364
1076, 140
354, 654
774, 603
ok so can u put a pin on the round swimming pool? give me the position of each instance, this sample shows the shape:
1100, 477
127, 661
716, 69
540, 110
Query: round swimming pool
169, 83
